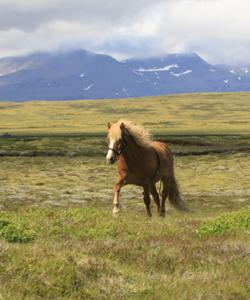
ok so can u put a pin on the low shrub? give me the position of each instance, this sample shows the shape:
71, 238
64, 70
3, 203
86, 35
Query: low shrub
15, 231
227, 222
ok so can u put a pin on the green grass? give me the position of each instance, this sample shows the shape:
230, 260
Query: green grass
86, 253
78, 250
58, 238
15, 231
227, 222
92, 146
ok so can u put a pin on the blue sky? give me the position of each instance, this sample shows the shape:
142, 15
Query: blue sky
218, 30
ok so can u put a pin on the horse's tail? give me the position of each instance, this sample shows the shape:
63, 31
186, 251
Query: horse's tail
174, 196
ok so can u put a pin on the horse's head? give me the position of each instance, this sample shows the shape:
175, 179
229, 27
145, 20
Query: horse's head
116, 141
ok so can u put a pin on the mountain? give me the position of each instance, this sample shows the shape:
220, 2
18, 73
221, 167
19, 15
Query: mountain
84, 75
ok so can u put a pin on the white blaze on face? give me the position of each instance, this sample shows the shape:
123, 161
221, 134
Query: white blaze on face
110, 153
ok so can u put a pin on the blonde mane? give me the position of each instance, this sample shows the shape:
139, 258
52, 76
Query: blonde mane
141, 135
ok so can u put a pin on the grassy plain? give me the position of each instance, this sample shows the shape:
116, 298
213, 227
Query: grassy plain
178, 114
58, 238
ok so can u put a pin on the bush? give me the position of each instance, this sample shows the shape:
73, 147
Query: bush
227, 222
14, 231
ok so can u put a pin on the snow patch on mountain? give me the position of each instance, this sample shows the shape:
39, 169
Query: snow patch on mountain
88, 87
245, 70
155, 69
137, 73
181, 74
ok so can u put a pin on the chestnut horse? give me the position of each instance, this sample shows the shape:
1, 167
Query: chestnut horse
142, 162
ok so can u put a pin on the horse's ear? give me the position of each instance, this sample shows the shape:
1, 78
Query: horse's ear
122, 126
108, 125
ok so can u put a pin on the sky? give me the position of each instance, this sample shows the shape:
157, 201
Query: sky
218, 30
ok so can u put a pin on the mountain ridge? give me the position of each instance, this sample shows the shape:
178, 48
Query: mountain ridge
81, 74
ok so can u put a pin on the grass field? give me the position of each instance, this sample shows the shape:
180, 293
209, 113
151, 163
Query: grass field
177, 114
58, 238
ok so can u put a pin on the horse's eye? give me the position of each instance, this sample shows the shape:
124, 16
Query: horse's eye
119, 144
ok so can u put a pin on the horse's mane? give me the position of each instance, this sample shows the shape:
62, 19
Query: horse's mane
141, 135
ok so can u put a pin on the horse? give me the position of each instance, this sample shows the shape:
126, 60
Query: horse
142, 162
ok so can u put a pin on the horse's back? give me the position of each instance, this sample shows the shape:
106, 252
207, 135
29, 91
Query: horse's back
166, 157
161, 148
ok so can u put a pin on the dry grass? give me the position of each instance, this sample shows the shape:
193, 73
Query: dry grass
60, 181
194, 113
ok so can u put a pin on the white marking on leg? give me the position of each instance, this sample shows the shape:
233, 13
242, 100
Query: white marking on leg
116, 208
115, 202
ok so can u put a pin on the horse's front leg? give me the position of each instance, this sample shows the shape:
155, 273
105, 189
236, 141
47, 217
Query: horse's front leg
117, 189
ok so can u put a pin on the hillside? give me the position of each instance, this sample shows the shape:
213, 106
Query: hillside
85, 75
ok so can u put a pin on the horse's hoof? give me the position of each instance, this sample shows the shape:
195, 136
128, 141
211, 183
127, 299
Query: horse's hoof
162, 214
116, 210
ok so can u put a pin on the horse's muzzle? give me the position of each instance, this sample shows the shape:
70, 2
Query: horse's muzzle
112, 160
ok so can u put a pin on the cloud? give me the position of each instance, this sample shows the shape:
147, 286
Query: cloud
29, 14
217, 29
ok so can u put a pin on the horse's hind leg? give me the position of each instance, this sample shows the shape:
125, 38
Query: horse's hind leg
146, 198
156, 197
164, 195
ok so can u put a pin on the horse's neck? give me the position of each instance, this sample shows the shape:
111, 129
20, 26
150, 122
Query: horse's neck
132, 152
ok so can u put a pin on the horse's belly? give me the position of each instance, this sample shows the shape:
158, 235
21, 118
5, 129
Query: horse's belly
136, 179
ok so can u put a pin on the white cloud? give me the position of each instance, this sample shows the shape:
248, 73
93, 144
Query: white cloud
217, 29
